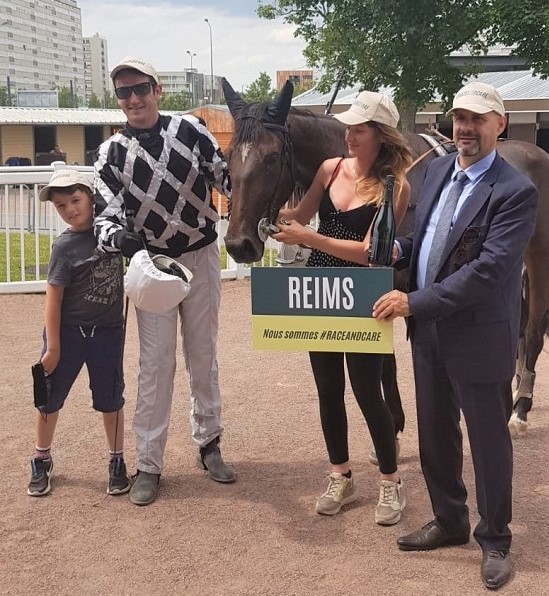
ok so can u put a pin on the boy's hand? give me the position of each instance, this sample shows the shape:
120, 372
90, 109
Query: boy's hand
50, 360
128, 242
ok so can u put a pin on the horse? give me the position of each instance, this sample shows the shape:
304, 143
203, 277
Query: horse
276, 149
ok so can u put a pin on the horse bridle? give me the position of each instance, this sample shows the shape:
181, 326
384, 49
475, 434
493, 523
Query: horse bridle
283, 134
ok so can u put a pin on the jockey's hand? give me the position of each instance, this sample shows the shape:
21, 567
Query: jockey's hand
392, 305
292, 232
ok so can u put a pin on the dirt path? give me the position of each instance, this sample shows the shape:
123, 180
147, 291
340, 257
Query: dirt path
259, 536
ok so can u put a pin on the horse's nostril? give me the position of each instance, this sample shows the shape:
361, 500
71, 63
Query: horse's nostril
244, 250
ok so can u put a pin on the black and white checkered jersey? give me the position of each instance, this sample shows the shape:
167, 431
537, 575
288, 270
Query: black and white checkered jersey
164, 175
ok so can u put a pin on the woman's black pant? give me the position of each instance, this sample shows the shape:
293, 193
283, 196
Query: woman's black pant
365, 376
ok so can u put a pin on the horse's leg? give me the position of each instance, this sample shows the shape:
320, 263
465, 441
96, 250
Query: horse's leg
391, 393
538, 304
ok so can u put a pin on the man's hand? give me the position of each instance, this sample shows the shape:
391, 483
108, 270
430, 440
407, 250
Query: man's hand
128, 242
391, 305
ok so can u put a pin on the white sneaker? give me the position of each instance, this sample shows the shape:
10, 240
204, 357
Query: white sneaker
340, 491
391, 503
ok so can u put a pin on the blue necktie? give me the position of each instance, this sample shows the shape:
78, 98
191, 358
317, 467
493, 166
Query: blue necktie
443, 227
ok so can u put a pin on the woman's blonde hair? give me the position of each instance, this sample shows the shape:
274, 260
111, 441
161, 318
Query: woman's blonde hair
394, 158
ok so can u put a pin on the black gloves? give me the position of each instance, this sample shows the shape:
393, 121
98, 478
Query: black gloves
128, 242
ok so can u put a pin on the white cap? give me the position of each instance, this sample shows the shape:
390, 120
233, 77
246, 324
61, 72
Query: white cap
479, 98
63, 179
151, 289
135, 64
370, 107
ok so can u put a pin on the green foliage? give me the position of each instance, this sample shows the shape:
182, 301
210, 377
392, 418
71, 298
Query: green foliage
175, 101
29, 244
4, 101
402, 44
260, 89
109, 100
525, 24
67, 98
94, 101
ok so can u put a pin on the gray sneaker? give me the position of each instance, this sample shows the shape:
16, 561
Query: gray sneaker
119, 483
41, 472
372, 458
340, 491
144, 488
391, 503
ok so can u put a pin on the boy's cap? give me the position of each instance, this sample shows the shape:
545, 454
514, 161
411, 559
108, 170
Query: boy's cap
135, 64
479, 98
370, 107
62, 179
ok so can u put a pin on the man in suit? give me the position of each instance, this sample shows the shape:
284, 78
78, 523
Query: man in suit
472, 223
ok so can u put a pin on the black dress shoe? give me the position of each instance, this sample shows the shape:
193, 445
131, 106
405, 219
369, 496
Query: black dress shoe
431, 536
495, 569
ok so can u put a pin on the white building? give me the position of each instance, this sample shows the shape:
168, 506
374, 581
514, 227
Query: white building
96, 67
41, 45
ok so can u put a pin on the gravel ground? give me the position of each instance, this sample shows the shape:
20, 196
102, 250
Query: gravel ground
259, 536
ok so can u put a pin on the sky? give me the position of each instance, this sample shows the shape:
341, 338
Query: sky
161, 32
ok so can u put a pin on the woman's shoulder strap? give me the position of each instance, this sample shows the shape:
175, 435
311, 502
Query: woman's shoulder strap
335, 172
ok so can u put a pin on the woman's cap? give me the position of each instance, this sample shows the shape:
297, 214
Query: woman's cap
370, 107
135, 64
63, 179
479, 98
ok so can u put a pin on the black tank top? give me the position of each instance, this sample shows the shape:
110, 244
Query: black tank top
343, 225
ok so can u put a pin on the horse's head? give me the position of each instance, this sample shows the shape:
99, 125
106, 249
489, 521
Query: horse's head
261, 168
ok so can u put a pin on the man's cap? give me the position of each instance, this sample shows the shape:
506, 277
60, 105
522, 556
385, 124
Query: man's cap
370, 107
479, 98
135, 64
62, 179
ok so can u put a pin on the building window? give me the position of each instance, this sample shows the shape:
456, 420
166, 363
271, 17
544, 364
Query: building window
54, 23
33, 29
11, 59
10, 34
8, 10
36, 75
33, 16
10, 46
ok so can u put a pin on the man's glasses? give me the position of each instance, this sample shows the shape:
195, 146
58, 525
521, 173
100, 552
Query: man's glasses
141, 89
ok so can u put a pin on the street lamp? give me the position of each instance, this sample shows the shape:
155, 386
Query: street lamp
191, 54
211, 62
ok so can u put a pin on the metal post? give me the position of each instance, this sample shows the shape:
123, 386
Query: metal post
211, 63
191, 54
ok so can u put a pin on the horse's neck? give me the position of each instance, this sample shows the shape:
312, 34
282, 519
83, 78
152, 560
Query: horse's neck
314, 139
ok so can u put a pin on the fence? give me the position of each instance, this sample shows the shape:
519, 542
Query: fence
28, 228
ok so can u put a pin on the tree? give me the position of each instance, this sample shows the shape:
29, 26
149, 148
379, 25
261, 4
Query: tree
526, 26
403, 44
4, 99
260, 89
94, 101
175, 101
109, 100
67, 98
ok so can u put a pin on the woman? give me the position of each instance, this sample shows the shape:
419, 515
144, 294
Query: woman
346, 193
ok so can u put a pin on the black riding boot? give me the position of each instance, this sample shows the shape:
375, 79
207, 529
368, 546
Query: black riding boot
209, 458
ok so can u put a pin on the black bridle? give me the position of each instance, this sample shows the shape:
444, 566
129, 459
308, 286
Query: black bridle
282, 132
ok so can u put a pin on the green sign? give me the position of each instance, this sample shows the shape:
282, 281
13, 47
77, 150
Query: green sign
326, 309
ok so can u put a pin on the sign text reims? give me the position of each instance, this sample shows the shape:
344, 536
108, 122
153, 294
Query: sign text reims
320, 293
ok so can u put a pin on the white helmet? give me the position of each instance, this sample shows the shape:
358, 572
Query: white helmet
156, 284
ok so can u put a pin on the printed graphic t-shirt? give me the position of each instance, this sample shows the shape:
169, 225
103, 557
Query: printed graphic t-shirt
92, 280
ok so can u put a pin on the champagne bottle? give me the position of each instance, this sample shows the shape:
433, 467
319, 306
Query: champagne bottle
383, 229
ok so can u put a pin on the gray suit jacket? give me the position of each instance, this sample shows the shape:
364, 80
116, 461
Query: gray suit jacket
475, 302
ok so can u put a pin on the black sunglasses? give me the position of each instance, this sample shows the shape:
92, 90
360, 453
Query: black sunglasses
141, 89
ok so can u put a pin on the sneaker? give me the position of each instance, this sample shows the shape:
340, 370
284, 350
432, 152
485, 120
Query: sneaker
119, 482
372, 458
42, 470
340, 491
391, 503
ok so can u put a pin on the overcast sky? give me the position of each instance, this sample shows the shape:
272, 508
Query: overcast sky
161, 31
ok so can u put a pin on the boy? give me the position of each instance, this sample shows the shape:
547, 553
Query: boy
83, 324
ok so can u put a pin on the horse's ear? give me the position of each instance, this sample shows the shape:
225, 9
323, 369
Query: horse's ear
234, 102
279, 108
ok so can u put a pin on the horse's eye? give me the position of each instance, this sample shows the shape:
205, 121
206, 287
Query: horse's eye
271, 159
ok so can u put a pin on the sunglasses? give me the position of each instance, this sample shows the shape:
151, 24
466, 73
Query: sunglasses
141, 89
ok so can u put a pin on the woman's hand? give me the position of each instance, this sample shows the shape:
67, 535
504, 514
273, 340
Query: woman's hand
292, 232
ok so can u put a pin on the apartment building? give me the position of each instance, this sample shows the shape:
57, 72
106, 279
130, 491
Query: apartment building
41, 46
96, 67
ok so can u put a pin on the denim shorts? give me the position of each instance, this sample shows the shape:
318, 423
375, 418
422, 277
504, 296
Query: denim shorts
100, 349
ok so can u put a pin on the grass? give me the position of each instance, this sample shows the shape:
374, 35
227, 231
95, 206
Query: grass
29, 245
44, 255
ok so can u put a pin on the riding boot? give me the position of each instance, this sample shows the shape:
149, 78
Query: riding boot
209, 458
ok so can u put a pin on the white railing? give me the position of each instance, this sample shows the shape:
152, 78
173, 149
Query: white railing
28, 228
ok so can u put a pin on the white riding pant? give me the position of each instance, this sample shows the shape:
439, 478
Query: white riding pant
157, 362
